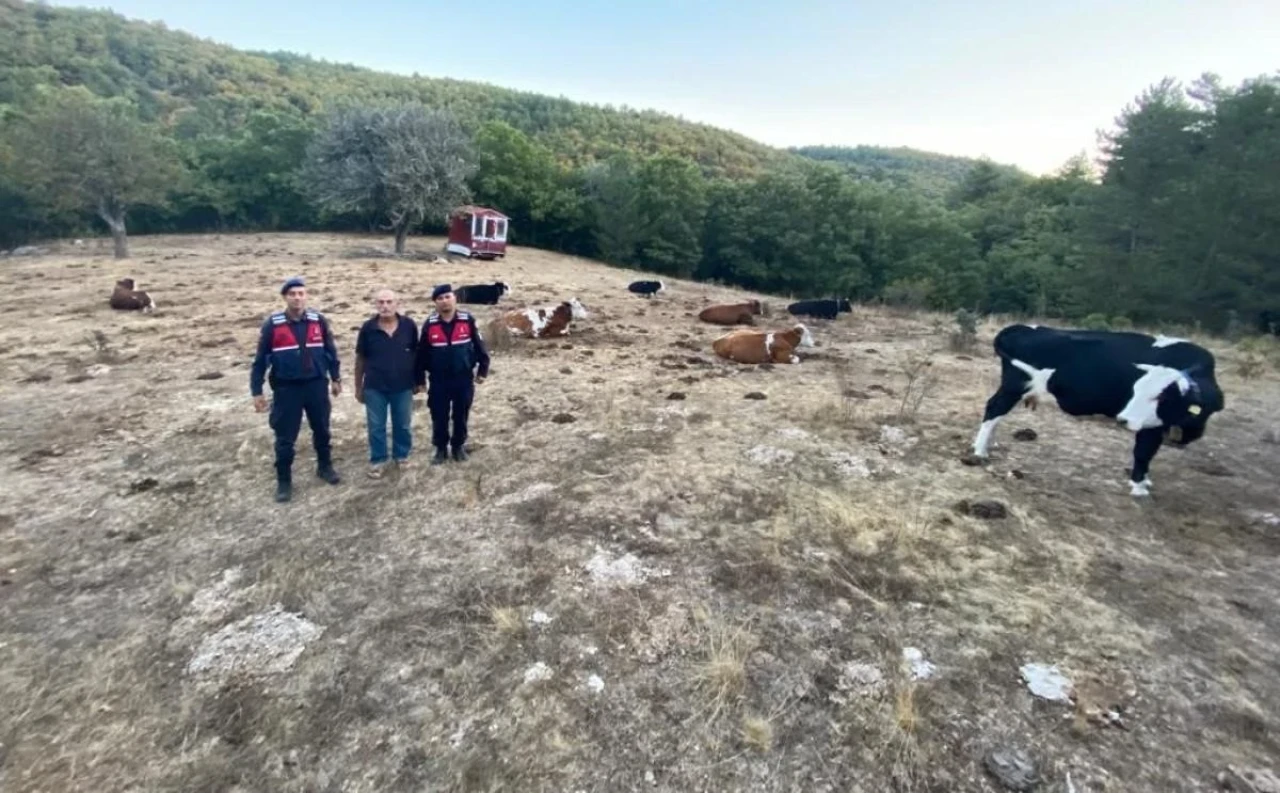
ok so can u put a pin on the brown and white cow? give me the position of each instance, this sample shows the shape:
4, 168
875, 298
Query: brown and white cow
125, 298
763, 346
544, 323
732, 313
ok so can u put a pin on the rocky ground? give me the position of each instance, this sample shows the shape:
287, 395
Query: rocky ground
659, 571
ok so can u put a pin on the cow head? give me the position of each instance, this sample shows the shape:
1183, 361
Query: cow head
1173, 399
125, 283
844, 305
502, 288
1185, 412
576, 309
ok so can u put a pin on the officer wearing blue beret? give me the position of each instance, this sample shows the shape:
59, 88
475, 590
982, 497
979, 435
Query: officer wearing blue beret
299, 349
451, 359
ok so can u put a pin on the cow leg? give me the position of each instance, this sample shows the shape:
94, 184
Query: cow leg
998, 406
1145, 446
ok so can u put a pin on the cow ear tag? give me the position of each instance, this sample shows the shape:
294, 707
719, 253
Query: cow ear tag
1194, 410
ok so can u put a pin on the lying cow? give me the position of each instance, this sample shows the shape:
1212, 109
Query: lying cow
763, 346
543, 323
646, 288
732, 313
1160, 388
482, 294
125, 298
822, 309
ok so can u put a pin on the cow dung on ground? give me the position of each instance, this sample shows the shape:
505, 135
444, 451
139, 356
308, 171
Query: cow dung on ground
984, 509
754, 395
211, 376
1025, 434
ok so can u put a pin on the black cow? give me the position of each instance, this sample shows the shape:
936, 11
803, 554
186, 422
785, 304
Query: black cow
822, 309
1160, 388
646, 288
484, 294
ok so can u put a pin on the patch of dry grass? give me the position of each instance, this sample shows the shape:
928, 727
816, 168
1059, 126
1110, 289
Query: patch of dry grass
720, 677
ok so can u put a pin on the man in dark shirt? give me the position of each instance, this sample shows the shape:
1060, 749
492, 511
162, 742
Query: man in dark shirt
297, 346
385, 350
449, 351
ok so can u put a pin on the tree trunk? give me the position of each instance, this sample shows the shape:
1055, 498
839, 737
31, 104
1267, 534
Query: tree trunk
115, 221
402, 231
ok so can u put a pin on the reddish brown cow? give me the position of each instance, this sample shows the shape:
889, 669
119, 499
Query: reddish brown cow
762, 346
732, 313
125, 298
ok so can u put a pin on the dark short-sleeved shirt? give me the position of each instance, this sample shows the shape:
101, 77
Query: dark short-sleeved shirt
388, 359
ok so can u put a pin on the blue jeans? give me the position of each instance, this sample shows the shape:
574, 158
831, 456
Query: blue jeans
376, 405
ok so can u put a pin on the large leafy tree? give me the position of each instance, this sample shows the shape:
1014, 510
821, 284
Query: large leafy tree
77, 153
398, 162
522, 178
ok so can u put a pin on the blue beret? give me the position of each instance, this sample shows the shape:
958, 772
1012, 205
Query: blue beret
442, 289
291, 283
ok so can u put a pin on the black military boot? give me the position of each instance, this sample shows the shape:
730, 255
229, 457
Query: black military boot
441, 456
284, 491
460, 455
329, 475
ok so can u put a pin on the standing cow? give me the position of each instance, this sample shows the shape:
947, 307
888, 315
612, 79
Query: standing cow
822, 309
646, 288
1160, 388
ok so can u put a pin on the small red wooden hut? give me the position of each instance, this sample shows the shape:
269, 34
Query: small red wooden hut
478, 232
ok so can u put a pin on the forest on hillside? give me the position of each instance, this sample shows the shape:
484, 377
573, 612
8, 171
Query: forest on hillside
111, 124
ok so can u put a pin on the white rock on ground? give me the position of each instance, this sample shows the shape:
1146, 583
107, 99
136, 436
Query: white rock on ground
260, 644
595, 683
794, 433
1047, 682
538, 673
540, 618
850, 466
528, 494
770, 455
920, 668
605, 570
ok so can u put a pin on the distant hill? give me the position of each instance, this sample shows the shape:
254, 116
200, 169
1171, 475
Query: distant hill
926, 172
176, 76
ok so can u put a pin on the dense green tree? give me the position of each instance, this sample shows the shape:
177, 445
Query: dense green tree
76, 153
522, 179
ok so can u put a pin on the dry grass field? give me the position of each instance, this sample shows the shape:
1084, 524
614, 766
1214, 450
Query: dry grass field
643, 580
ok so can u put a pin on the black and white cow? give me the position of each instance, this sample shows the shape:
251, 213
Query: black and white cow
822, 309
483, 294
646, 288
1160, 388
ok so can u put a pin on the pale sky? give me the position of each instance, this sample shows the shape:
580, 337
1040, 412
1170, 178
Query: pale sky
987, 77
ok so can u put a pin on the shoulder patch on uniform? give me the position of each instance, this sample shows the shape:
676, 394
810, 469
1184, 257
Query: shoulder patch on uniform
433, 318
278, 319
463, 315
313, 315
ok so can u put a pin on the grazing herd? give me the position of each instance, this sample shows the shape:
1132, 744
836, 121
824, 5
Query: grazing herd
1161, 389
